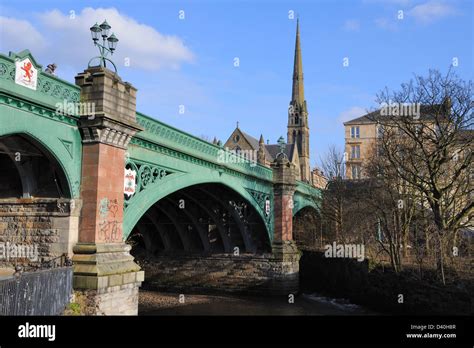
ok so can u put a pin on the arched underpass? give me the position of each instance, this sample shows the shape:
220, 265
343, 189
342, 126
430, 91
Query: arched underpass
35, 210
307, 229
29, 170
201, 219
202, 236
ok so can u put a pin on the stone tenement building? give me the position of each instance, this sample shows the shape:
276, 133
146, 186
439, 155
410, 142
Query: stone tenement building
297, 146
362, 134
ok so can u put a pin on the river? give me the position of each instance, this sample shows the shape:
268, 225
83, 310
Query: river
160, 303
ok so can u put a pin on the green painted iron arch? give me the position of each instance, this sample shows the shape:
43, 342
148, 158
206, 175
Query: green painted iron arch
63, 142
143, 200
301, 201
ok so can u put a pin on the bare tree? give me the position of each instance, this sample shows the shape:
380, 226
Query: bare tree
335, 195
425, 143
393, 204
333, 163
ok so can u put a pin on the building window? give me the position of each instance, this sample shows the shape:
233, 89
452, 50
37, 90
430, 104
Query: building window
236, 138
355, 151
356, 171
379, 132
355, 132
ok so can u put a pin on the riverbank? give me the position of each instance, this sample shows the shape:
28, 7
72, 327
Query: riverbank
162, 303
383, 290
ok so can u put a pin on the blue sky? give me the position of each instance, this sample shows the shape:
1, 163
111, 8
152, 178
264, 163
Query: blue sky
190, 61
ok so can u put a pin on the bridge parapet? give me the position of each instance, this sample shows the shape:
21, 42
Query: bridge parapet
160, 133
49, 91
307, 189
306, 195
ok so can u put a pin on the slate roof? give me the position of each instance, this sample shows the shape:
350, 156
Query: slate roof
252, 141
427, 112
271, 150
274, 149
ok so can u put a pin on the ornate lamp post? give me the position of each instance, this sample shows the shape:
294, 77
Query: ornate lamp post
103, 30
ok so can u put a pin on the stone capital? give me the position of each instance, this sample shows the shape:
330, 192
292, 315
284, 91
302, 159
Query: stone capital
108, 113
102, 129
284, 172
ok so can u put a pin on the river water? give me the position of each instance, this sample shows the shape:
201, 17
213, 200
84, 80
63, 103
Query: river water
158, 303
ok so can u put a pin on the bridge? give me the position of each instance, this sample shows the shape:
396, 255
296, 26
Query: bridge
95, 182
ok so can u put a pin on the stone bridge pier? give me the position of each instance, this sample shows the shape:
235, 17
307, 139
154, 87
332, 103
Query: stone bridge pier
104, 270
285, 255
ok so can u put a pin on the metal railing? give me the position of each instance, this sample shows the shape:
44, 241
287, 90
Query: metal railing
44, 292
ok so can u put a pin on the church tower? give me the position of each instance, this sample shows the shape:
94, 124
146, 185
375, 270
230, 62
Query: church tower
298, 127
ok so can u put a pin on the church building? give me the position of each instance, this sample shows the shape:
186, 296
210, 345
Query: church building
297, 145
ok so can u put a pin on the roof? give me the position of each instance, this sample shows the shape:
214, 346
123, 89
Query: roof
251, 140
274, 150
427, 112
271, 150
254, 143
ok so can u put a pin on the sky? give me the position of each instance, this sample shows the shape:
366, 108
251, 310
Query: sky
203, 65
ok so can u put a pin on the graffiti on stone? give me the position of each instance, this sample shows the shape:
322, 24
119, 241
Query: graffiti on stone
109, 226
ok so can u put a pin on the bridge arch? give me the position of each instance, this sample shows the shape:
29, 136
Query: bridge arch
61, 143
142, 201
198, 216
304, 204
32, 167
307, 227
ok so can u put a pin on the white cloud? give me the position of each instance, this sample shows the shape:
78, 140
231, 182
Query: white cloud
353, 112
17, 35
431, 11
352, 25
68, 40
145, 47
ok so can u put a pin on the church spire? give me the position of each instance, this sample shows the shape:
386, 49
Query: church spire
298, 130
297, 96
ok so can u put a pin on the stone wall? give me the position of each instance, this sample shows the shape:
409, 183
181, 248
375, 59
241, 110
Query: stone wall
50, 224
335, 276
244, 274
113, 300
